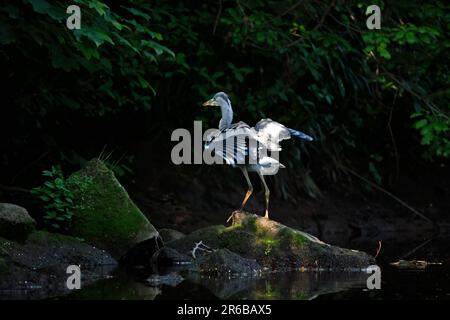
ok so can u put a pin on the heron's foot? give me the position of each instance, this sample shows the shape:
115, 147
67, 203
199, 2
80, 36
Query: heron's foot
266, 215
231, 217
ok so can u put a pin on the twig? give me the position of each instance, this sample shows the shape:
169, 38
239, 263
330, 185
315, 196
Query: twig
200, 246
217, 17
403, 203
379, 248
415, 249
13, 189
394, 144
325, 15
289, 9
429, 104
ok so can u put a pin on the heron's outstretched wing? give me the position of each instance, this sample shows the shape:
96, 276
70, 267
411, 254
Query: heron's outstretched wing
238, 144
271, 133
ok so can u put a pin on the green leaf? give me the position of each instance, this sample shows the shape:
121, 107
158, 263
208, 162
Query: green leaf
49, 184
420, 124
100, 7
40, 6
260, 36
98, 37
138, 13
411, 37
159, 49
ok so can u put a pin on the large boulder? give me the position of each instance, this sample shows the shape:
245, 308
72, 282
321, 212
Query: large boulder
273, 245
37, 268
15, 222
105, 215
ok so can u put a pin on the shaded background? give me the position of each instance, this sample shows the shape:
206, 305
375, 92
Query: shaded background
376, 100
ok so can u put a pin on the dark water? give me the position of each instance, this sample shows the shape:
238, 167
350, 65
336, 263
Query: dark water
430, 283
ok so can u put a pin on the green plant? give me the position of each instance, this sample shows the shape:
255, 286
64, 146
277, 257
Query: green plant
57, 199
269, 245
434, 129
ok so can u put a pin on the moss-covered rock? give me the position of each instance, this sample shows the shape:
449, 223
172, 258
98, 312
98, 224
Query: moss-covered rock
105, 215
15, 222
273, 245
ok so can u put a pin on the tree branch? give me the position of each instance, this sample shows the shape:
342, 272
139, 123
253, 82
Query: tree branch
403, 203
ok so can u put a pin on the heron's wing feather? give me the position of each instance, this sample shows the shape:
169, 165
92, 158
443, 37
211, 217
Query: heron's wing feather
238, 144
271, 133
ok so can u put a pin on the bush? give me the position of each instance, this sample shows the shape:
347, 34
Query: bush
57, 200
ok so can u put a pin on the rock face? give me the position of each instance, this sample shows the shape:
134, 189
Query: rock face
15, 222
273, 245
170, 234
224, 262
105, 215
37, 268
168, 257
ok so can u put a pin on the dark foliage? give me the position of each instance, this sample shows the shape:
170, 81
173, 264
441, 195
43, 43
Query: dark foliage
138, 69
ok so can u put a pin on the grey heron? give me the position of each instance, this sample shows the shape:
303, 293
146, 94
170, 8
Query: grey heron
248, 150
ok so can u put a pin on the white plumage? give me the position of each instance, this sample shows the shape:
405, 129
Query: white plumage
248, 148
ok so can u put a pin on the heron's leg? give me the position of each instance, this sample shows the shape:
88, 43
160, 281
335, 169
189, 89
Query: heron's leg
247, 195
266, 194
250, 187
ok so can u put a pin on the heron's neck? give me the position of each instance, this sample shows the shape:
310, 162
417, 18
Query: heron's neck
227, 116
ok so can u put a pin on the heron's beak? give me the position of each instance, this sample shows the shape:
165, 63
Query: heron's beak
210, 103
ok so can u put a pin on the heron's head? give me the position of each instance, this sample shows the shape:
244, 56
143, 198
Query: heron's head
219, 99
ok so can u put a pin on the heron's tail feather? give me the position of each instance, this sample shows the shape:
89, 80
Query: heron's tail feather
299, 134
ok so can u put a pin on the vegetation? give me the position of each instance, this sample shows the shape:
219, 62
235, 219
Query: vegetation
57, 199
138, 69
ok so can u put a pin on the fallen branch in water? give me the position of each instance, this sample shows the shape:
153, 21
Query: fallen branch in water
200, 246
403, 203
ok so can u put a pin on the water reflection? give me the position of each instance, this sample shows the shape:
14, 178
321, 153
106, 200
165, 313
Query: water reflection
292, 285
430, 283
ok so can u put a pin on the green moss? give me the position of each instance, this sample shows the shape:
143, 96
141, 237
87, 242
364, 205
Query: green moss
300, 295
97, 198
291, 237
251, 224
236, 239
104, 214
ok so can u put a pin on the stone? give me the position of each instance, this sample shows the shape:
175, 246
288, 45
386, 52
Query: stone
273, 245
37, 268
170, 234
15, 222
222, 262
105, 216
